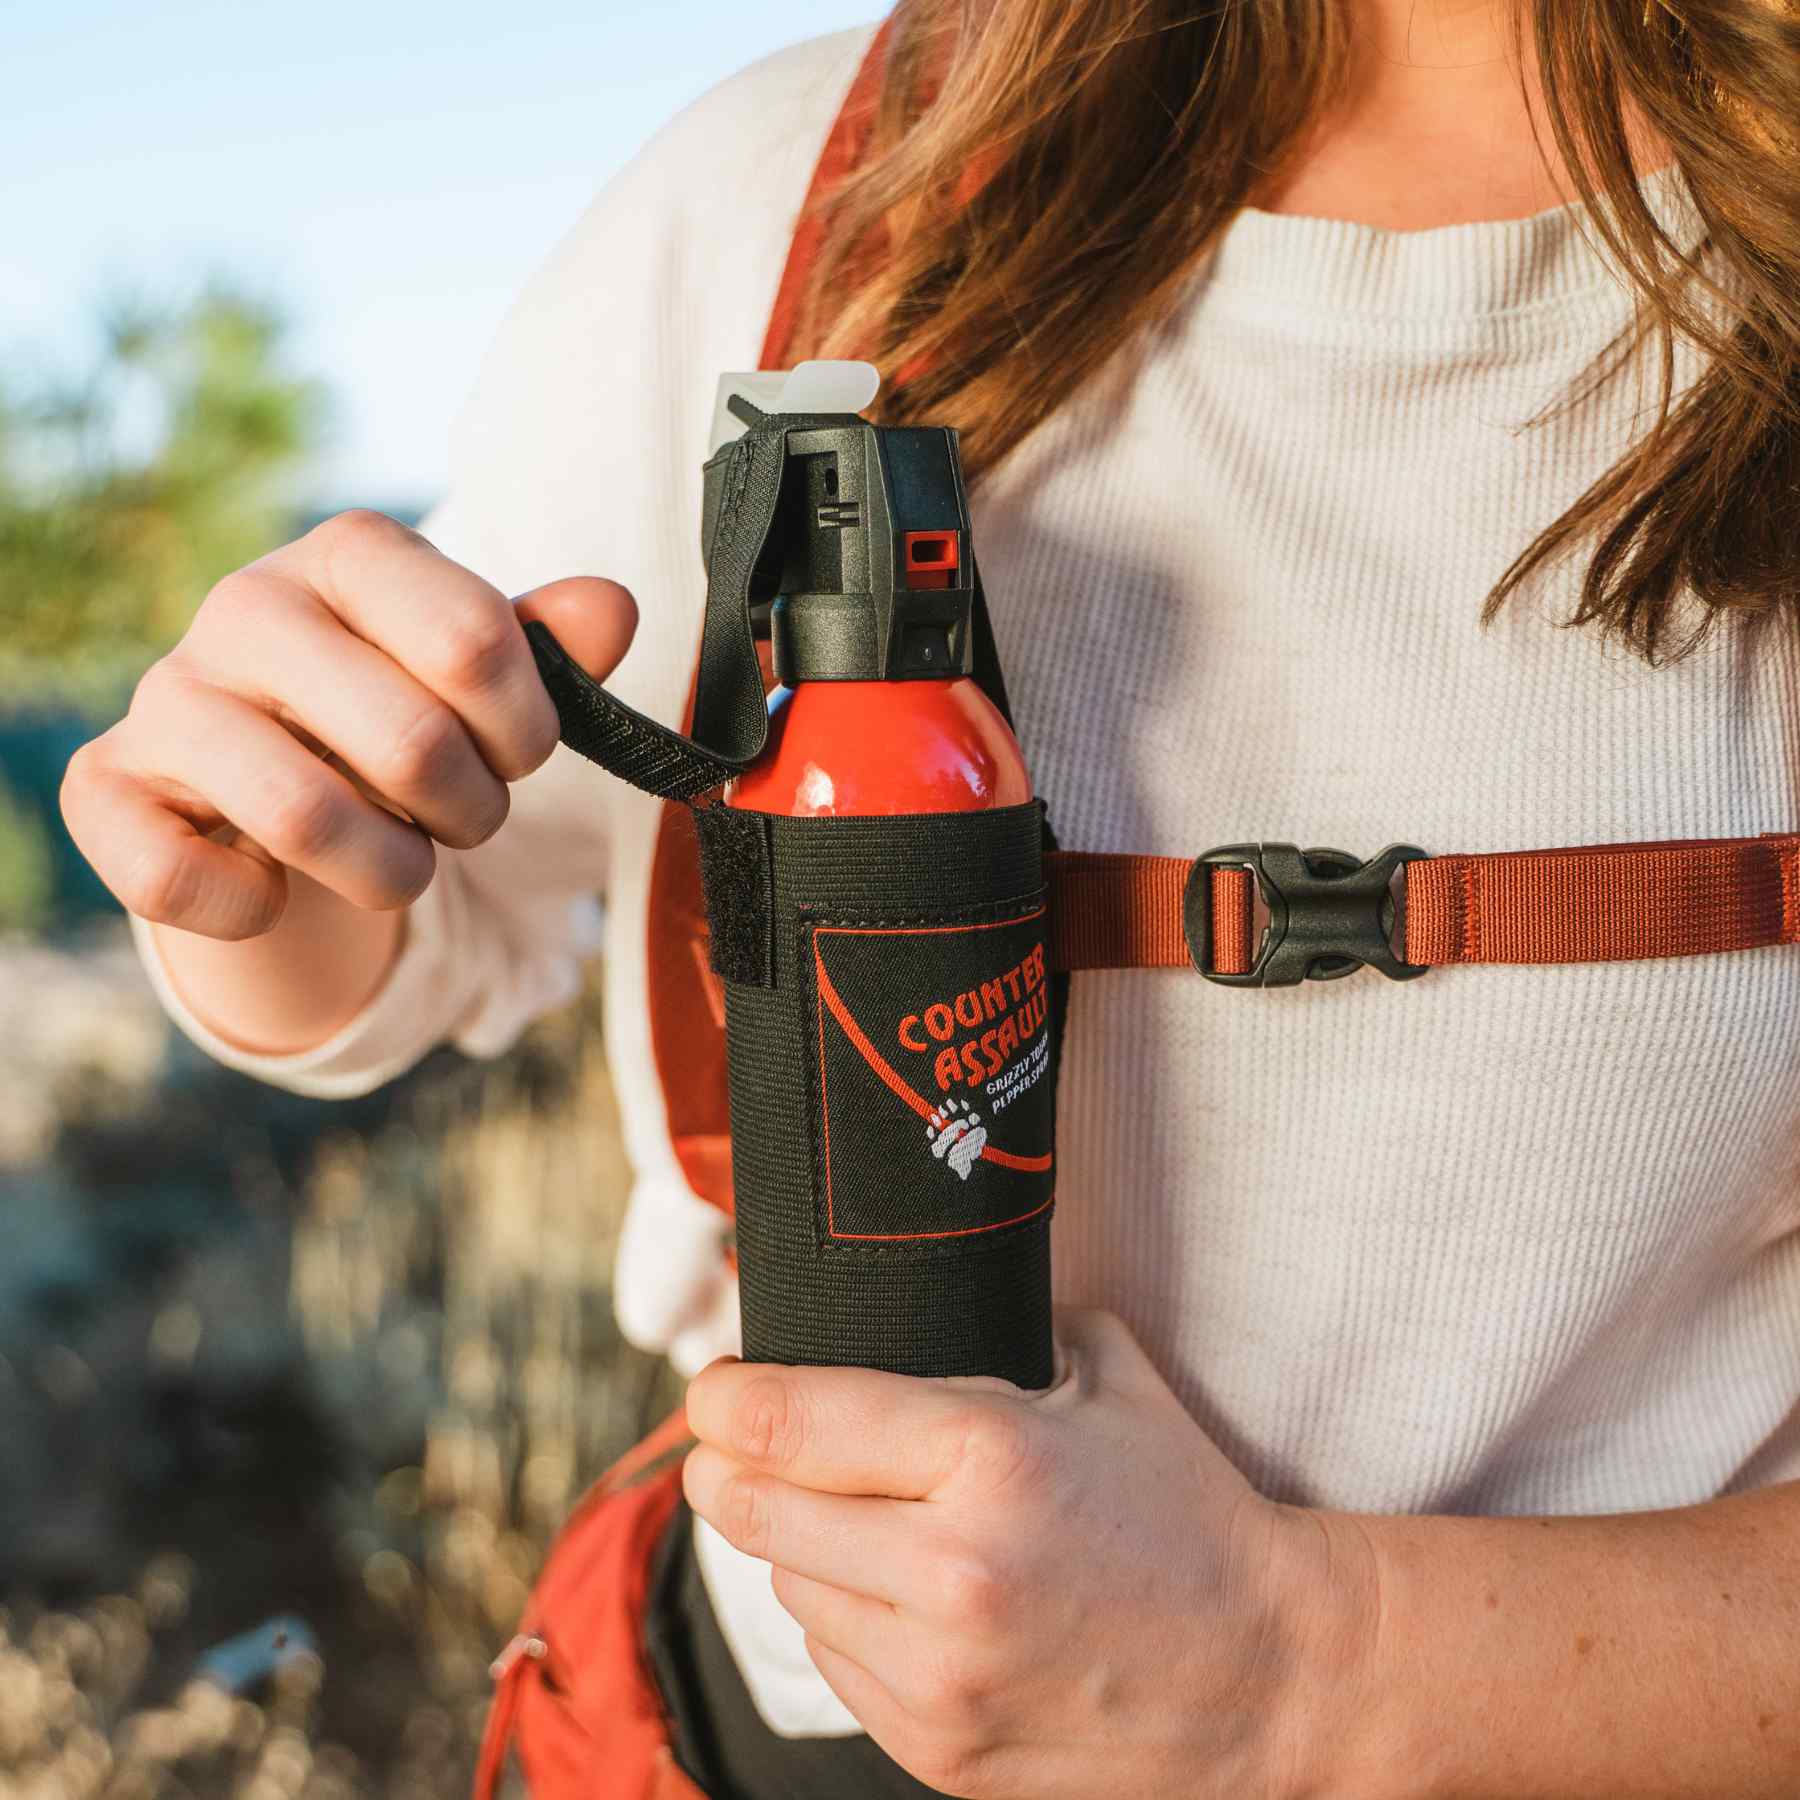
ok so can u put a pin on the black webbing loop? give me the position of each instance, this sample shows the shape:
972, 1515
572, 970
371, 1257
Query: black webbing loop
618, 737
731, 721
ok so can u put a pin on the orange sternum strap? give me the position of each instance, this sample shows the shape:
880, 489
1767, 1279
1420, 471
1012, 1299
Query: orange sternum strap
1267, 914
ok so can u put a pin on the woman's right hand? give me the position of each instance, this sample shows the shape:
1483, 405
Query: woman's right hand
360, 643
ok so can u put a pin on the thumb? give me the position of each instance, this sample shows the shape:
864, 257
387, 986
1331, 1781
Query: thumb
592, 618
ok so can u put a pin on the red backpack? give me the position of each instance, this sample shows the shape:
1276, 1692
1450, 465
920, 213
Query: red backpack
572, 1688
575, 1695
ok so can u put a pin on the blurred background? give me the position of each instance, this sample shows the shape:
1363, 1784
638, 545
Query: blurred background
292, 1394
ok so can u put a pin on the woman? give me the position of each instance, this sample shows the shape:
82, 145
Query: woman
1441, 1434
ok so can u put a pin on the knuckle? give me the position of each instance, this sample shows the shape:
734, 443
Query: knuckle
973, 1591
537, 739
360, 529
305, 820
767, 1425
164, 701
477, 646
348, 542
994, 1445
953, 1768
480, 819
935, 1696
232, 593
405, 872
816, 1651
422, 753
157, 685
79, 770
158, 885
781, 1584
948, 1692
744, 1513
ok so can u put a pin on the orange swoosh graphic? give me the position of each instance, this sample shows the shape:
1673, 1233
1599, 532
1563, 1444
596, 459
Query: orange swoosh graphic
1030, 1165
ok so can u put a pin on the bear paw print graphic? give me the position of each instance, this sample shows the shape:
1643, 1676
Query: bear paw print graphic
956, 1135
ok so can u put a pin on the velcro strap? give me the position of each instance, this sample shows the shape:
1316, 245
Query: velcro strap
622, 740
1586, 903
730, 717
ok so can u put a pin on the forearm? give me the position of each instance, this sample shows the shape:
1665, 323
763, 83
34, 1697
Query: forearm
293, 987
1649, 1654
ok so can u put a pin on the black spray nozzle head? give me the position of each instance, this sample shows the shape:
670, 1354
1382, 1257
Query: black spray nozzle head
867, 572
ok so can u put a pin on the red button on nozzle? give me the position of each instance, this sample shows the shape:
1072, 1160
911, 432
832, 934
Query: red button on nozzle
930, 558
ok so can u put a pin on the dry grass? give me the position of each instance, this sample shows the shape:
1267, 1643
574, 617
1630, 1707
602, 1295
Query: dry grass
448, 1279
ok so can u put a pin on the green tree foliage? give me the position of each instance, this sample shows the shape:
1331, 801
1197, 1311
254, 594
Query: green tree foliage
126, 493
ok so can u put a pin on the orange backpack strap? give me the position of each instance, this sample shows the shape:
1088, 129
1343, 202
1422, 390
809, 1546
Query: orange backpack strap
1264, 914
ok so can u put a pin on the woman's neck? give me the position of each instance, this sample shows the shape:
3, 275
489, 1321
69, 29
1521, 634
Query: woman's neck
1438, 125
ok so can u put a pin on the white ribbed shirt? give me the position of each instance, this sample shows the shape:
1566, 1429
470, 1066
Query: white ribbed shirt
1501, 1239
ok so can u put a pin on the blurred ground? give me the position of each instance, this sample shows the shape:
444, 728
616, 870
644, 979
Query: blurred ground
327, 1375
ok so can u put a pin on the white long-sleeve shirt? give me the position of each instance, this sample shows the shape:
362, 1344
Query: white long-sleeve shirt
1502, 1239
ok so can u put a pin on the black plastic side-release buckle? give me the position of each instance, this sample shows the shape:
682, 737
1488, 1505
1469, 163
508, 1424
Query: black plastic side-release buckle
1328, 913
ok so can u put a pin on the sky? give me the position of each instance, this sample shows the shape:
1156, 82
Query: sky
389, 173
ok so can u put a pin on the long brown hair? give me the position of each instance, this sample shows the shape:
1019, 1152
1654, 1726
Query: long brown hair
1043, 174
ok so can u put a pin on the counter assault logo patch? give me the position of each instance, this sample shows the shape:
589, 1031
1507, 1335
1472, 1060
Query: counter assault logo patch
936, 1076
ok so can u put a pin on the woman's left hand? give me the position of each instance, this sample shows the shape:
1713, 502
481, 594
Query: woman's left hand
1064, 1593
